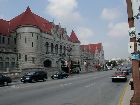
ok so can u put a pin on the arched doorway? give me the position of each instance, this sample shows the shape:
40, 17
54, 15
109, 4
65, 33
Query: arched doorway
47, 63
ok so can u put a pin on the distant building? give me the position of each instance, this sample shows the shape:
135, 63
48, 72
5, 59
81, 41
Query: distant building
93, 54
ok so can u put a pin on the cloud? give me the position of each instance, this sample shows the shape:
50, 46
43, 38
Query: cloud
85, 34
119, 30
63, 10
110, 14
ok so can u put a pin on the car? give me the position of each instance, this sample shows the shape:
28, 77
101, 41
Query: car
109, 67
4, 80
119, 76
59, 75
34, 76
125, 72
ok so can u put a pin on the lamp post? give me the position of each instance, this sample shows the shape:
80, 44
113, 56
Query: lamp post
135, 100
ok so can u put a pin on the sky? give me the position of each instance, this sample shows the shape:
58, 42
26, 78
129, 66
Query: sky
99, 21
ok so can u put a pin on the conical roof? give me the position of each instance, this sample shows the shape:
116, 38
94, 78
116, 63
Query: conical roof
73, 37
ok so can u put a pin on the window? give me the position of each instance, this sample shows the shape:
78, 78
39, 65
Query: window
56, 48
15, 49
32, 34
37, 37
0, 39
32, 44
19, 56
51, 47
25, 40
60, 49
33, 59
64, 50
47, 47
3, 40
7, 62
8, 40
15, 40
1, 59
1, 62
12, 62
25, 57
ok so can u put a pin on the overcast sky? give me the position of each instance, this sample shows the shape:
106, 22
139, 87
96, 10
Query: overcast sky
94, 21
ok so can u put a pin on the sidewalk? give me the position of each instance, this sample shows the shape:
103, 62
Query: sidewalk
126, 95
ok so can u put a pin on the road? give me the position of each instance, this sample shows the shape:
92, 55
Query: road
83, 89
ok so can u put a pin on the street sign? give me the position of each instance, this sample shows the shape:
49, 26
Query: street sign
132, 32
131, 47
134, 56
136, 8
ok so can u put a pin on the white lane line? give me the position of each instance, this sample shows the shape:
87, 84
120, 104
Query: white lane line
66, 84
14, 86
90, 85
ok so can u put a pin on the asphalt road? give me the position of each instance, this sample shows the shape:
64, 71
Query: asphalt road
83, 89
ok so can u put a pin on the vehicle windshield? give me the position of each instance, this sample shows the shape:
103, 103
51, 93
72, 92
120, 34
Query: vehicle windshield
29, 73
118, 73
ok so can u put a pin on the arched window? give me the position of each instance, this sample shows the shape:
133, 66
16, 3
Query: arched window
47, 47
51, 47
56, 48
47, 63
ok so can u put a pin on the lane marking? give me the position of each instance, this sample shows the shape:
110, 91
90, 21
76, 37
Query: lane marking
66, 84
122, 95
90, 85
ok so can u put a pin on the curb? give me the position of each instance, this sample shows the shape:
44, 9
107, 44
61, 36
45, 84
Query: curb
122, 95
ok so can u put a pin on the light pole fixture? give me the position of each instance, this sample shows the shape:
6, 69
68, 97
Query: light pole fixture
135, 100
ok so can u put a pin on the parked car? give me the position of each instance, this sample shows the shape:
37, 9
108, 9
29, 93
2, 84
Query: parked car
119, 76
109, 67
59, 75
34, 76
4, 80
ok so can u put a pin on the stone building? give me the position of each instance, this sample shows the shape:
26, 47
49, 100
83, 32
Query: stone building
30, 41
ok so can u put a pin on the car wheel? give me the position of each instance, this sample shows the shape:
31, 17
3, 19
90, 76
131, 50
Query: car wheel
33, 80
112, 80
24, 82
125, 80
6, 83
44, 79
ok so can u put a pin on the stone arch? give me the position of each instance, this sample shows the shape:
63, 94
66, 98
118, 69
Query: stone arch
47, 63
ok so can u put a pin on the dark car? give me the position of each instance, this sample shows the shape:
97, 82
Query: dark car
34, 76
60, 75
4, 80
119, 76
126, 70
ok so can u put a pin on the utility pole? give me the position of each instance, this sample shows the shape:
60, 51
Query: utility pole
135, 100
